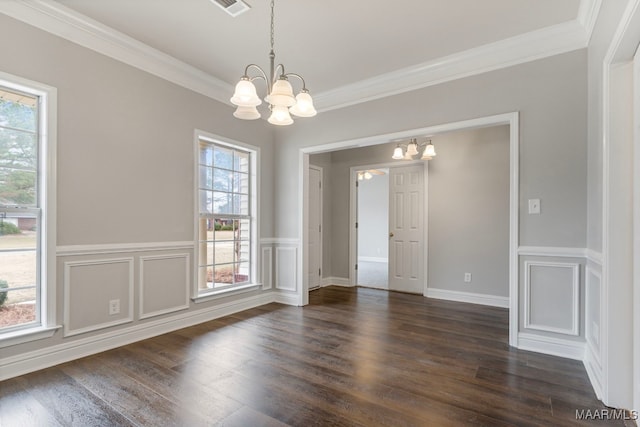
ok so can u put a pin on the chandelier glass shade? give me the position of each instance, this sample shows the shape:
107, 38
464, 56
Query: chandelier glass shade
407, 151
280, 97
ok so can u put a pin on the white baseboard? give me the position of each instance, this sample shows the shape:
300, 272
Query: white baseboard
473, 298
335, 281
24, 363
594, 371
553, 346
286, 298
373, 259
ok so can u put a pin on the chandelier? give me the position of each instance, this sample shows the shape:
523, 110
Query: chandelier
412, 149
280, 97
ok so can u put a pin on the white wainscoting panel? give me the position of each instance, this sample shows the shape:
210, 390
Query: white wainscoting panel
286, 274
552, 297
593, 325
267, 268
89, 286
164, 284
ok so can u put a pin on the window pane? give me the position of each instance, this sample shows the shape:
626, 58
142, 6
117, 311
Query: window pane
18, 110
243, 231
18, 187
206, 177
222, 180
240, 204
206, 201
222, 157
244, 252
18, 269
242, 272
241, 183
224, 229
222, 203
18, 149
241, 161
206, 154
224, 274
224, 252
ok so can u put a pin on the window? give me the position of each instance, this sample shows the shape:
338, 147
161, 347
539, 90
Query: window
26, 305
226, 195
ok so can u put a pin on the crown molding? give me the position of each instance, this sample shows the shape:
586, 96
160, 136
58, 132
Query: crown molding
64, 22
527, 47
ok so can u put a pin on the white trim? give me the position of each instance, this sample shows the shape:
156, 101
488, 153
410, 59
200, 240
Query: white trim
185, 303
636, 227
267, 268
595, 348
286, 298
336, 281
24, 363
71, 25
114, 248
279, 286
321, 231
625, 38
468, 297
538, 44
550, 345
22, 336
64, 22
254, 197
552, 251
511, 119
223, 293
67, 331
575, 299
594, 257
47, 181
594, 370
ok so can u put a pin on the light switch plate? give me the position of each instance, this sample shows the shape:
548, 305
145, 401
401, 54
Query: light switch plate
534, 206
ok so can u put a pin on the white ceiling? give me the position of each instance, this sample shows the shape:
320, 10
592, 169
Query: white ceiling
347, 51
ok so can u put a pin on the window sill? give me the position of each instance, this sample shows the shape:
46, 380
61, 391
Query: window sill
26, 335
213, 295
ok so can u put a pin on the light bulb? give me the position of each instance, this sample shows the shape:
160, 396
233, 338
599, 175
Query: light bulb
280, 116
397, 153
281, 94
429, 150
367, 175
246, 113
304, 105
245, 94
412, 148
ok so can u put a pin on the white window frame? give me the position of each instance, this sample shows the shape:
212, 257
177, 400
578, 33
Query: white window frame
47, 143
254, 204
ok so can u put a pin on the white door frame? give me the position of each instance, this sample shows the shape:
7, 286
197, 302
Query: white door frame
511, 119
321, 171
621, 50
353, 213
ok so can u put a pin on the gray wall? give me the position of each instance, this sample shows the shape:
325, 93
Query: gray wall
469, 211
125, 164
551, 96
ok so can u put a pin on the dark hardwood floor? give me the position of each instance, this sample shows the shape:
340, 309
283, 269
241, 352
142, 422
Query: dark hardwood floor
353, 357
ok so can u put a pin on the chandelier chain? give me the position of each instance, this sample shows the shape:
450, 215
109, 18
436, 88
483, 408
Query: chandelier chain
272, 25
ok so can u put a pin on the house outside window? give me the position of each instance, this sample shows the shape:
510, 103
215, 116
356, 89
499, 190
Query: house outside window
27, 231
226, 217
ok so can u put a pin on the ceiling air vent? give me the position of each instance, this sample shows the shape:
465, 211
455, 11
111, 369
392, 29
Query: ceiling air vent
232, 7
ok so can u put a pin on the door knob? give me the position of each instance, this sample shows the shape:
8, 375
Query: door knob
391, 234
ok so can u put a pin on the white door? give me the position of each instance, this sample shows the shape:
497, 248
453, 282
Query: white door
406, 229
315, 227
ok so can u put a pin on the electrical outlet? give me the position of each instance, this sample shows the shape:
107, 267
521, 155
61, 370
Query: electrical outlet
534, 206
114, 307
467, 277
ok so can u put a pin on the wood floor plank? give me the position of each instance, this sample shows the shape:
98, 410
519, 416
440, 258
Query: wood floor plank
352, 357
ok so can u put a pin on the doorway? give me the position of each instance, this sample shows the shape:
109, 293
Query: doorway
510, 119
372, 212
